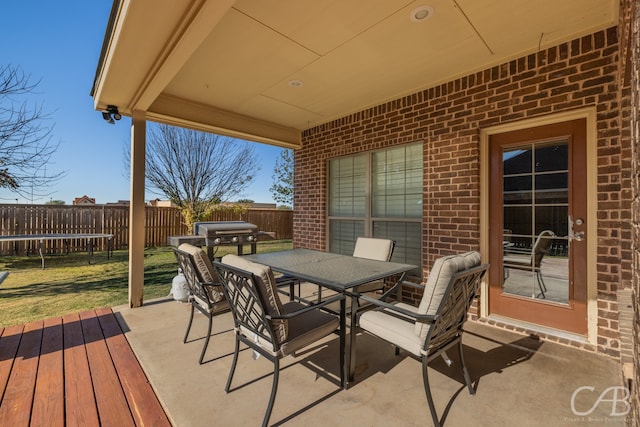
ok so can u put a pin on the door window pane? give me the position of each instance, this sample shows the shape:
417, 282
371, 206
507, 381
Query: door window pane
552, 157
516, 161
518, 189
552, 188
518, 220
554, 218
535, 221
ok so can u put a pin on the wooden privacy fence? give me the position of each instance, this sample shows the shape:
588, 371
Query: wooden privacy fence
161, 222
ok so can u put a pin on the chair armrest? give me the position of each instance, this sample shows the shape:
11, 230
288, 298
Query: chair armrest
394, 289
212, 284
420, 318
412, 285
305, 309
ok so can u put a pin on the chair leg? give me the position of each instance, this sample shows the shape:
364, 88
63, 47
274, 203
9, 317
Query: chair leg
467, 379
233, 365
427, 390
274, 389
541, 281
206, 341
343, 340
186, 335
541, 284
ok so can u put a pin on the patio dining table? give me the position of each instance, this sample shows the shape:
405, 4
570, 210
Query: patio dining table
339, 273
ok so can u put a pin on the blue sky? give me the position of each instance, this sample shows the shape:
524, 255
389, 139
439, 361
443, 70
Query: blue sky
58, 43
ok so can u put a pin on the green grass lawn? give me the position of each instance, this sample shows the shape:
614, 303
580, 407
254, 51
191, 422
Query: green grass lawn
70, 284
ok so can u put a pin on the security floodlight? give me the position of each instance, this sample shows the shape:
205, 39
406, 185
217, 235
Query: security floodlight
110, 114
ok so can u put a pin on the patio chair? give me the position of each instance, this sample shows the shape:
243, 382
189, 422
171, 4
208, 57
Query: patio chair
532, 261
205, 293
429, 330
266, 325
377, 249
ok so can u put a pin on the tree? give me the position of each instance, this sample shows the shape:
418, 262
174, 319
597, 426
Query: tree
197, 170
282, 188
55, 202
25, 140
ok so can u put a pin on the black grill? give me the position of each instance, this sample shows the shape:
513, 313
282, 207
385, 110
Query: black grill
225, 233
221, 233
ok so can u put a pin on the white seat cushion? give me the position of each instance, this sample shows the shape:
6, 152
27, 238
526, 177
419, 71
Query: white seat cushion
376, 249
392, 329
372, 248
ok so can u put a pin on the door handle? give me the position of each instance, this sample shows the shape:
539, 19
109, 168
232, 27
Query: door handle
579, 236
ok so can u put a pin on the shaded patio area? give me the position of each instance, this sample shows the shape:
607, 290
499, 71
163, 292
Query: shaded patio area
518, 378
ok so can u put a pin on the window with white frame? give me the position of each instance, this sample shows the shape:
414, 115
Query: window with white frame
378, 194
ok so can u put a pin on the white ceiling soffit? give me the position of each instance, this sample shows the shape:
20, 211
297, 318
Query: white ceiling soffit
264, 70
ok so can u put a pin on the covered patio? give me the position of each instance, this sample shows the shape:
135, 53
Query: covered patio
436, 85
80, 370
520, 380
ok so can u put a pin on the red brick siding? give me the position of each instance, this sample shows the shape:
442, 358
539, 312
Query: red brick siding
631, 18
448, 119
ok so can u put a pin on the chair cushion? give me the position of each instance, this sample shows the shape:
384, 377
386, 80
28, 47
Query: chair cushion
376, 249
267, 288
205, 268
443, 269
307, 328
372, 248
303, 330
391, 328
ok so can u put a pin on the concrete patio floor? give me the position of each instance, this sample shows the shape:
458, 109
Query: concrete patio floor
519, 379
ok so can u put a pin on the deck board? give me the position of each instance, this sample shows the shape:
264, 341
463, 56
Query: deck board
15, 409
9, 341
145, 408
74, 370
77, 378
48, 401
112, 405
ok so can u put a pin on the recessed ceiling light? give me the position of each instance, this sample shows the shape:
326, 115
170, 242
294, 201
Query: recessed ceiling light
421, 13
295, 83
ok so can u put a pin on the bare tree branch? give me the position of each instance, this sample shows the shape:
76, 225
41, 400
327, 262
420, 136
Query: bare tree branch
25, 140
196, 170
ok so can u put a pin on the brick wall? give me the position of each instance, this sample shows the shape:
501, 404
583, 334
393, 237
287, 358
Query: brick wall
448, 118
634, 72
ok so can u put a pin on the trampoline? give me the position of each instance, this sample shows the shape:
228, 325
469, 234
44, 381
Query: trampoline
40, 238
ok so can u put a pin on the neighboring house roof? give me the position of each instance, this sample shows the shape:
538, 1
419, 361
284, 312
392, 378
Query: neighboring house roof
160, 203
84, 200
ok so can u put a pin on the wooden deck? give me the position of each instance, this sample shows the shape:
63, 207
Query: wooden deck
75, 370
